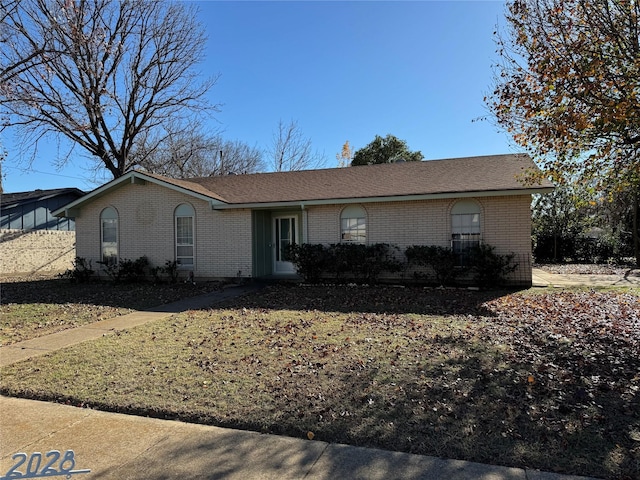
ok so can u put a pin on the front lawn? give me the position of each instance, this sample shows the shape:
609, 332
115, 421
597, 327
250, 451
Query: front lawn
35, 306
547, 380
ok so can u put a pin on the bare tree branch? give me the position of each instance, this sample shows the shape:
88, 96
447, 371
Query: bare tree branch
105, 75
190, 152
291, 150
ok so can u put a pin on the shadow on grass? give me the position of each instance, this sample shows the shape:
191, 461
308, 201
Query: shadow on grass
339, 298
370, 299
471, 407
124, 295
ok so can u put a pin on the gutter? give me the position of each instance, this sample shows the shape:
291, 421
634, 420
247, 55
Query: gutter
404, 198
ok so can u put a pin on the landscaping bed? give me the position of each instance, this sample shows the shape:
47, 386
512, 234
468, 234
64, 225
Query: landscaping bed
540, 379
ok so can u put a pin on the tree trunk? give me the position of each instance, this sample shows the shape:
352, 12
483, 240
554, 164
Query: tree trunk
636, 234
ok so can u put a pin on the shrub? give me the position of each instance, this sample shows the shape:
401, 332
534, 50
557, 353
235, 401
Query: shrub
362, 262
81, 271
441, 259
344, 260
310, 260
378, 258
126, 271
170, 269
490, 268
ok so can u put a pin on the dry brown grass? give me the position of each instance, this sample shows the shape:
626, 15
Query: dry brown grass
32, 306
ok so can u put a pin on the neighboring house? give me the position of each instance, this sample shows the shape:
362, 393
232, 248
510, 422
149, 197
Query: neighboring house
32, 239
32, 210
238, 225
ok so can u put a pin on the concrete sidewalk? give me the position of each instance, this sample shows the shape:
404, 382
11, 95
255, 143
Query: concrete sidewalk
545, 279
118, 447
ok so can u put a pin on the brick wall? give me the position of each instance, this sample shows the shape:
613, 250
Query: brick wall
223, 237
505, 224
36, 251
146, 228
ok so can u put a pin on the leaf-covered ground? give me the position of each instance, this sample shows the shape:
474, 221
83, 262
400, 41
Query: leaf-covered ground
547, 380
590, 269
39, 305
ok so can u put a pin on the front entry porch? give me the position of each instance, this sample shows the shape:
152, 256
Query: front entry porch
272, 232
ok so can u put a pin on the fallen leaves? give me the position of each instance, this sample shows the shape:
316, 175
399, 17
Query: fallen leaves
548, 380
39, 305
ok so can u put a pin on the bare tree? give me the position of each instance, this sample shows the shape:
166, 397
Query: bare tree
291, 150
108, 76
187, 153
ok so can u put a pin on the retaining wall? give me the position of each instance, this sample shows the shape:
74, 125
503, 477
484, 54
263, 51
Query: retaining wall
36, 251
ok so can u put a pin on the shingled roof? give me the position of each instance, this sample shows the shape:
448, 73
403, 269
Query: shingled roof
496, 174
458, 175
8, 199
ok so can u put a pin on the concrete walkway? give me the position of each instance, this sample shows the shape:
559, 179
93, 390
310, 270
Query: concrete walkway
115, 446
545, 279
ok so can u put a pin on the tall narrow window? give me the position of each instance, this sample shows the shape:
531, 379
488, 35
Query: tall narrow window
109, 236
465, 229
185, 243
353, 224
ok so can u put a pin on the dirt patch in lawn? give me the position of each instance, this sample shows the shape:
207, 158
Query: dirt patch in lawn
548, 380
40, 305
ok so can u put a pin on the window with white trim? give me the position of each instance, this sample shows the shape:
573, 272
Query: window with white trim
353, 224
109, 236
185, 235
465, 229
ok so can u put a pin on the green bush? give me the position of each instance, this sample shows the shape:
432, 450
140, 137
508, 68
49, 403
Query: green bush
310, 260
362, 262
441, 259
352, 261
490, 268
378, 258
346, 259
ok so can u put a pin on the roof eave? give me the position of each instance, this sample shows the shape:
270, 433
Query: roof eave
393, 198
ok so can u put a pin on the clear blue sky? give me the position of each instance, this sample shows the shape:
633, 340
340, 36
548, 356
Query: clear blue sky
343, 71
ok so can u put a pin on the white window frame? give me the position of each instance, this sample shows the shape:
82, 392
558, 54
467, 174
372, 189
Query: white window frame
353, 224
109, 215
466, 228
185, 261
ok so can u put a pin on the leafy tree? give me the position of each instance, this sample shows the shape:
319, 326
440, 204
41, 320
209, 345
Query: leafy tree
389, 149
580, 223
291, 150
558, 218
567, 89
108, 76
